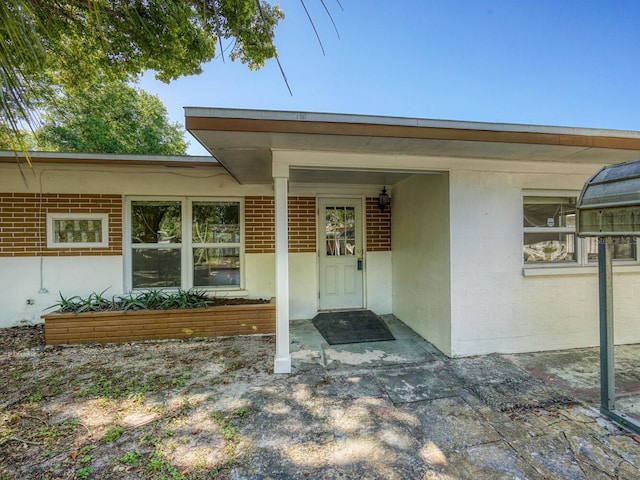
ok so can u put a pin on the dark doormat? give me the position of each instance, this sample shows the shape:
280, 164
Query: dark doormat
351, 327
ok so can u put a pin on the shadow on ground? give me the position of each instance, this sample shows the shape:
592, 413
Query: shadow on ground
402, 410
381, 410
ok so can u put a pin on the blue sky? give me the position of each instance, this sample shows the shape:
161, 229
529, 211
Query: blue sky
568, 63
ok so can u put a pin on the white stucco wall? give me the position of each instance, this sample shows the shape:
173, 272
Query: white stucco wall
259, 270
379, 282
421, 265
303, 281
303, 285
495, 306
43, 280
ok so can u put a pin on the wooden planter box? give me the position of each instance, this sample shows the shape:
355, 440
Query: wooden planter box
112, 327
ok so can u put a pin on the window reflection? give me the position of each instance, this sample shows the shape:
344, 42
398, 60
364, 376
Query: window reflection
156, 222
216, 222
216, 267
340, 231
153, 268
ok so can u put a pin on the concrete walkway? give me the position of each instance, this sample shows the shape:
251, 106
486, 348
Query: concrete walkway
402, 410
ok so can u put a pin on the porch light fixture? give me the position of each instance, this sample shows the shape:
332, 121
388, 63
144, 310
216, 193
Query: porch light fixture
383, 200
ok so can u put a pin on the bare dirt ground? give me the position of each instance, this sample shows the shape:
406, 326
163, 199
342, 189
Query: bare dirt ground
211, 408
141, 410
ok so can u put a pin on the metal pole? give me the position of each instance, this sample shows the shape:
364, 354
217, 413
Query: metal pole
607, 365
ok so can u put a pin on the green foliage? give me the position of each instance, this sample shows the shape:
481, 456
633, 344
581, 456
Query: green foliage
131, 458
95, 302
35, 397
113, 434
111, 384
86, 449
229, 424
159, 463
108, 116
45, 44
186, 299
146, 300
84, 472
50, 433
143, 300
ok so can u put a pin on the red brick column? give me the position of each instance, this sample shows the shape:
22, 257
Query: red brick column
378, 227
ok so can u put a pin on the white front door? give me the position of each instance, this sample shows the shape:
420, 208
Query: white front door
340, 252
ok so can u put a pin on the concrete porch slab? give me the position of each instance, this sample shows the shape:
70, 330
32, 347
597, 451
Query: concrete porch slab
309, 348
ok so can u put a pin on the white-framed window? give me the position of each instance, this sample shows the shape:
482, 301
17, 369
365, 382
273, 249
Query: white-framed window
77, 230
625, 249
549, 224
549, 233
184, 242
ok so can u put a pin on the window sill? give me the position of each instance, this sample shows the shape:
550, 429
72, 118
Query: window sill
230, 292
549, 270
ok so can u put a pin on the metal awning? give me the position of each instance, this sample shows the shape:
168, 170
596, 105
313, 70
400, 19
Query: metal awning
609, 204
609, 207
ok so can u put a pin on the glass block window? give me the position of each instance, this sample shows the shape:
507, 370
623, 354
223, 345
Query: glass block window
77, 230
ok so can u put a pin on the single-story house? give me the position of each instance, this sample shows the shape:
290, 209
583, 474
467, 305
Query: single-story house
476, 249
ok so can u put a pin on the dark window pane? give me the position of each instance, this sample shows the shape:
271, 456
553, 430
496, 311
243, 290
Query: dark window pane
549, 247
216, 267
156, 267
156, 222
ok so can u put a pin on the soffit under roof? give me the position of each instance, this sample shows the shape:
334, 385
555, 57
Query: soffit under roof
242, 140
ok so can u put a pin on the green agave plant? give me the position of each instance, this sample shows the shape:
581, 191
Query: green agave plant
144, 300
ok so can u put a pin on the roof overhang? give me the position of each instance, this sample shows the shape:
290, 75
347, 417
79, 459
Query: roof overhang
243, 140
108, 159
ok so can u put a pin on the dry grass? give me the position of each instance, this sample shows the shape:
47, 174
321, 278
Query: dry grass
141, 410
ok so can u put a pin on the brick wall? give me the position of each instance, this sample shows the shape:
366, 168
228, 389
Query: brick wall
378, 227
302, 224
259, 224
23, 222
23, 218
